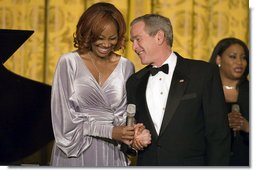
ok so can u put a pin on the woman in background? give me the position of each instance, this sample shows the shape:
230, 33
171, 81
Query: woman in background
88, 93
232, 57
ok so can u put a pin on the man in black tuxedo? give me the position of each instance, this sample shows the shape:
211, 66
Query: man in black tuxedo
182, 106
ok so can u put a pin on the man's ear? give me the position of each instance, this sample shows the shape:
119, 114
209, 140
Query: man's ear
160, 36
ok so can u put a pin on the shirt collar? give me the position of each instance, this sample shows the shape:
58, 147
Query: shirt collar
171, 60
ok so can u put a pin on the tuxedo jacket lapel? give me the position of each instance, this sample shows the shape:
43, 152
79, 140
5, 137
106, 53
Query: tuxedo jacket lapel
141, 98
178, 84
177, 88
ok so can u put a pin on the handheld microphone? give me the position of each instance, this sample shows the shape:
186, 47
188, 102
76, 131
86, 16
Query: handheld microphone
235, 108
131, 111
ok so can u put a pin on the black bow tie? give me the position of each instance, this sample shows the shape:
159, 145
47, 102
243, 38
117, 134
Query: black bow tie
163, 68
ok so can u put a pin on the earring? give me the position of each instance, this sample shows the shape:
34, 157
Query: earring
219, 65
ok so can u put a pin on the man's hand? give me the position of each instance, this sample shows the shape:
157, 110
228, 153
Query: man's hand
142, 137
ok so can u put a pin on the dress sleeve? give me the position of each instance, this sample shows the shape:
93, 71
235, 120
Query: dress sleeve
73, 130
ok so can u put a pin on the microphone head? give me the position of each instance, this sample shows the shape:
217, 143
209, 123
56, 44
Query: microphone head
235, 108
131, 109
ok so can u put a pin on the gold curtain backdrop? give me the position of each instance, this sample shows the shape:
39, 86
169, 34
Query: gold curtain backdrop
198, 25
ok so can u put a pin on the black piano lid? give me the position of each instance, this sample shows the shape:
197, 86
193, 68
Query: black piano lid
25, 116
11, 40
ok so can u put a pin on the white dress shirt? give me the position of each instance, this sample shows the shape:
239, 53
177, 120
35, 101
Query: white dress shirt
157, 92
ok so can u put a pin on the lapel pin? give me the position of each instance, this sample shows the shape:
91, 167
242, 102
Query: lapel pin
181, 81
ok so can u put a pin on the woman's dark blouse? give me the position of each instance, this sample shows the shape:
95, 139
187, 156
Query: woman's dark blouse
240, 142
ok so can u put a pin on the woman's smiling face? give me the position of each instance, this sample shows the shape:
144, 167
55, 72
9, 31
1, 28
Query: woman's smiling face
106, 41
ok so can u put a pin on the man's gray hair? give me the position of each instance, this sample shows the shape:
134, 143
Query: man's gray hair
155, 23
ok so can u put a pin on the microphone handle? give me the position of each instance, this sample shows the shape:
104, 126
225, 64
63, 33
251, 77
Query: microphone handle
235, 108
130, 121
236, 133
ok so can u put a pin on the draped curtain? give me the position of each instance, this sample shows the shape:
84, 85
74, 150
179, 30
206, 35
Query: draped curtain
197, 24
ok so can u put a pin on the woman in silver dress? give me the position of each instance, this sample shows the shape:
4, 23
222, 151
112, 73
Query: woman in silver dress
88, 94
